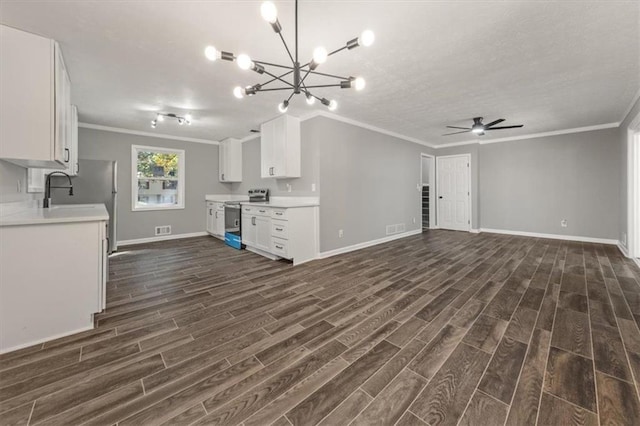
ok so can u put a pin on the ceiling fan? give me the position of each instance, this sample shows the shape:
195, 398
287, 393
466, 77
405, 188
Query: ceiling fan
478, 128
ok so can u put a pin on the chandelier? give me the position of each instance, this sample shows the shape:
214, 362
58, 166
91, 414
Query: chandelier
181, 120
293, 79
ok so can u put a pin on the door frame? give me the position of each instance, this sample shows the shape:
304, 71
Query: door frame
432, 196
467, 155
633, 188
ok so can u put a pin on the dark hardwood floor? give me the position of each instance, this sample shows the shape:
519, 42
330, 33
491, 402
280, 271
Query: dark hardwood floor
442, 328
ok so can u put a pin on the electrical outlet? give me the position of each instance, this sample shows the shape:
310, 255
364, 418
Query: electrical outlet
313, 187
414, 220
288, 187
340, 233
563, 223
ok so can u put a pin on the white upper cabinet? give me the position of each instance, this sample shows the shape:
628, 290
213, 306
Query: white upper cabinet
280, 147
35, 106
230, 161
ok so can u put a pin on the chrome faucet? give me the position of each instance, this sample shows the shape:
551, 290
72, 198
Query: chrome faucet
47, 188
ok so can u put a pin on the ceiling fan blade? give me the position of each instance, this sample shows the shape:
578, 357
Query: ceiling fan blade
455, 127
506, 127
455, 133
493, 123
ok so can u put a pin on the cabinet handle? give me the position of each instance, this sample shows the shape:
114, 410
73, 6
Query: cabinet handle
66, 155
279, 229
262, 211
223, 176
78, 167
253, 221
271, 172
210, 212
279, 247
216, 215
279, 213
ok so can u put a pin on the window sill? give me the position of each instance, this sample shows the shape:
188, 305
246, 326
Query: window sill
146, 209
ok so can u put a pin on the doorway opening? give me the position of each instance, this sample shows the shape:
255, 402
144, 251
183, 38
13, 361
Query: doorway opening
453, 189
427, 191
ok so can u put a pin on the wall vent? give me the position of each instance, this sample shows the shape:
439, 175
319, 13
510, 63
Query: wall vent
395, 229
400, 227
163, 230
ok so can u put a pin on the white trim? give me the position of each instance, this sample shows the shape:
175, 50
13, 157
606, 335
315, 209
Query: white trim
468, 155
161, 238
622, 249
47, 339
551, 236
181, 178
250, 137
474, 231
531, 135
342, 250
320, 113
633, 189
148, 134
630, 107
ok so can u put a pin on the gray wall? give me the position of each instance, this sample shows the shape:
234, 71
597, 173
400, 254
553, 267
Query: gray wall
201, 179
309, 167
10, 174
426, 173
623, 232
368, 181
530, 185
475, 181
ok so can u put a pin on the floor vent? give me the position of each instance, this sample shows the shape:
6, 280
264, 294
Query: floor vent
163, 230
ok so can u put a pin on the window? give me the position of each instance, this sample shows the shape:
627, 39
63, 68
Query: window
157, 178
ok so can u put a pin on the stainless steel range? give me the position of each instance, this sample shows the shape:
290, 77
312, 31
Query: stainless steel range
259, 195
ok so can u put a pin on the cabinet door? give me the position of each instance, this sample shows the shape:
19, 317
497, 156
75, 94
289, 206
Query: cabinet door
219, 226
267, 141
263, 233
72, 165
210, 218
63, 106
279, 147
249, 230
233, 167
222, 161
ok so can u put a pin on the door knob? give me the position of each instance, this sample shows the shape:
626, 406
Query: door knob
440, 197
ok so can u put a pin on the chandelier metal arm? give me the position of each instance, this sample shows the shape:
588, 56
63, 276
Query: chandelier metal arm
273, 90
323, 85
287, 47
274, 65
337, 50
278, 78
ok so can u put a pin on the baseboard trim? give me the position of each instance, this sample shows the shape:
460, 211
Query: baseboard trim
46, 339
551, 236
623, 249
474, 231
161, 238
366, 244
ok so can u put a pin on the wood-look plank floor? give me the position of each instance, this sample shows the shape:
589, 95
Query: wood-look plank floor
441, 328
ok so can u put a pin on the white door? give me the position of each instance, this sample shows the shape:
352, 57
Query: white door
453, 189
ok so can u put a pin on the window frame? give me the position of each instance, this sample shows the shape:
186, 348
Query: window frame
134, 178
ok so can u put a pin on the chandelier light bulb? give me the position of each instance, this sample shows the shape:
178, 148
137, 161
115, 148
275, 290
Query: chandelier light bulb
310, 99
238, 92
283, 107
366, 38
320, 55
332, 105
159, 117
269, 12
211, 53
360, 83
188, 117
244, 61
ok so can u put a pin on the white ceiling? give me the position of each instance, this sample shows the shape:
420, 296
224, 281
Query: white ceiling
549, 65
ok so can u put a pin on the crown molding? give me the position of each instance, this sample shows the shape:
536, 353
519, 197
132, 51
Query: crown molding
452, 144
250, 137
141, 133
630, 107
320, 113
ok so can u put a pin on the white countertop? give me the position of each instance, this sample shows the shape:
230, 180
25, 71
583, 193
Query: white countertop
286, 202
61, 213
221, 198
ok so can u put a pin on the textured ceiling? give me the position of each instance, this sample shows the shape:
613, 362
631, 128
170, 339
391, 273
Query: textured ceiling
549, 65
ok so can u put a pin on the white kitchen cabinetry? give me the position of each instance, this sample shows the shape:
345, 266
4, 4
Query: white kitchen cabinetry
35, 105
215, 218
289, 233
280, 147
230, 160
61, 294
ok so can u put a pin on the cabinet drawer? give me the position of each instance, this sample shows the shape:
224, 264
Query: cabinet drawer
279, 229
256, 210
211, 205
220, 206
279, 214
279, 247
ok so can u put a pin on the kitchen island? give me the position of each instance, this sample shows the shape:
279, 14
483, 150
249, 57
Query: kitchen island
53, 272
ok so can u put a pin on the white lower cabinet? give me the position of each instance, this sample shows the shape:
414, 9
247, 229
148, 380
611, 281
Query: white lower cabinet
215, 218
61, 294
289, 233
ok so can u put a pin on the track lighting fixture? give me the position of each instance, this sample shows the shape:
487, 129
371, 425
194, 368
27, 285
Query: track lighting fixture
181, 120
293, 76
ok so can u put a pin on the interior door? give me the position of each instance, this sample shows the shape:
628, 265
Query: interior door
453, 189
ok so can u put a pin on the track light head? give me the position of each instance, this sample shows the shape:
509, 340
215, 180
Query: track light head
181, 121
159, 117
153, 124
257, 68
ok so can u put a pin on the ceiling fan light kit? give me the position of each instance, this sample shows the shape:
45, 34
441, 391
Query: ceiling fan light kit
479, 129
181, 120
294, 77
